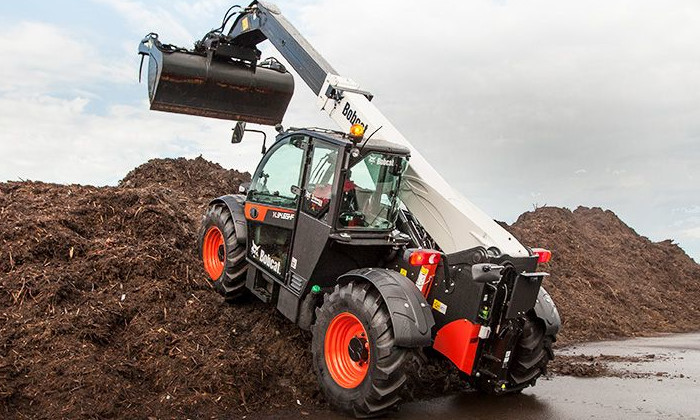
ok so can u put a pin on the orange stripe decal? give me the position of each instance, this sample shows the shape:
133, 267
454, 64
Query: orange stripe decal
261, 211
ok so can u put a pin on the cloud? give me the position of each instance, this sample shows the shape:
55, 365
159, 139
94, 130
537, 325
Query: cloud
71, 113
693, 233
178, 22
202, 10
60, 61
687, 210
152, 17
106, 147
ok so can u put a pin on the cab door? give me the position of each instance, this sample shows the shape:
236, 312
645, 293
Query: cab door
272, 205
318, 207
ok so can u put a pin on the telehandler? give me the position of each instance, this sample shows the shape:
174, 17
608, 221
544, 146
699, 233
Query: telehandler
352, 234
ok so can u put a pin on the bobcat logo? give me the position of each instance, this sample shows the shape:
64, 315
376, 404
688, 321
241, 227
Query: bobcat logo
378, 160
265, 259
254, 249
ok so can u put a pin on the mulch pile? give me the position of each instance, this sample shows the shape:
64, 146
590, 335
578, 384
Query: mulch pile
105, 311
608, 281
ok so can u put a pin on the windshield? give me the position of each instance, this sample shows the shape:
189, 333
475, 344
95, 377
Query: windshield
370, 194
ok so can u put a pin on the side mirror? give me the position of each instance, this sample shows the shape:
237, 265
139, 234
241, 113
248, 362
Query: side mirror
238, 132
243, 188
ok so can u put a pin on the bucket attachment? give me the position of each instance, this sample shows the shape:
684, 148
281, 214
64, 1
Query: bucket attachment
207, 85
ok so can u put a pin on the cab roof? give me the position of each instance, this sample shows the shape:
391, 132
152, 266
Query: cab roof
342, 139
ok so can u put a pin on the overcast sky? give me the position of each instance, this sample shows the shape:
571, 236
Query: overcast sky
517, 103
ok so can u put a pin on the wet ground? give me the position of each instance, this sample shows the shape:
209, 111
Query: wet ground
655, 378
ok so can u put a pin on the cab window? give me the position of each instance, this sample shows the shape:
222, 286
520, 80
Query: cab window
370, 195
281, 169
320, 179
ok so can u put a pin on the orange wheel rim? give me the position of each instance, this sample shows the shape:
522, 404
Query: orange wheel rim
214, 252
346, 350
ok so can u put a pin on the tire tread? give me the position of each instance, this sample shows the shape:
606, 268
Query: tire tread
231, 283
380, 392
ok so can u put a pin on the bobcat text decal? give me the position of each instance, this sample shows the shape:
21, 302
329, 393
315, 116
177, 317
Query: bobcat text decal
378, 160
265, 259
351, 115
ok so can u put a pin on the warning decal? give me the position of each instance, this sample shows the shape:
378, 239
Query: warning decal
439, 306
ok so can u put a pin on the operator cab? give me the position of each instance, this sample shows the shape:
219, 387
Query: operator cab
367, 189
348, 186
317, 192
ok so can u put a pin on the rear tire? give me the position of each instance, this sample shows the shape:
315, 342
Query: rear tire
360, 369
531, 355
222, 255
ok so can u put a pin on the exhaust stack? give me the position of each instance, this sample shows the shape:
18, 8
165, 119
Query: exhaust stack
212, 81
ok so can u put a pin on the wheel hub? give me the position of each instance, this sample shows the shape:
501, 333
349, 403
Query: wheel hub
347, 350
358, 349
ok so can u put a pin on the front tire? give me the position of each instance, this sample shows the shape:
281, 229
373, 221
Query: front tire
223, 257
360, 369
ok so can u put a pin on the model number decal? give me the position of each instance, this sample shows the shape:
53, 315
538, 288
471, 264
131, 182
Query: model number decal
282, 215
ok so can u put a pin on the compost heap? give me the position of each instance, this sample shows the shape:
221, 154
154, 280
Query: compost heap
105, 310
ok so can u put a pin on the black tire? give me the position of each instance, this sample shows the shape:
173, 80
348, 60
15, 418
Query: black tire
531, 355
231, 282
386, 365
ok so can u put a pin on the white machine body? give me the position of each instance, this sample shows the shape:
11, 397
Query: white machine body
453, 222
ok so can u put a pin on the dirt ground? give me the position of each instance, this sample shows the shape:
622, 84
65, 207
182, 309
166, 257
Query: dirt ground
105, 311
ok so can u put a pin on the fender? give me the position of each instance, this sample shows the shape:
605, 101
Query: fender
235, 204
546, 310
411, 317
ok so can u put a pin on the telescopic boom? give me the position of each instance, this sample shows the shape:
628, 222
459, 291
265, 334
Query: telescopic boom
453, 222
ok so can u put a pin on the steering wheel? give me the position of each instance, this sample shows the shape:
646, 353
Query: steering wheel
352, 218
